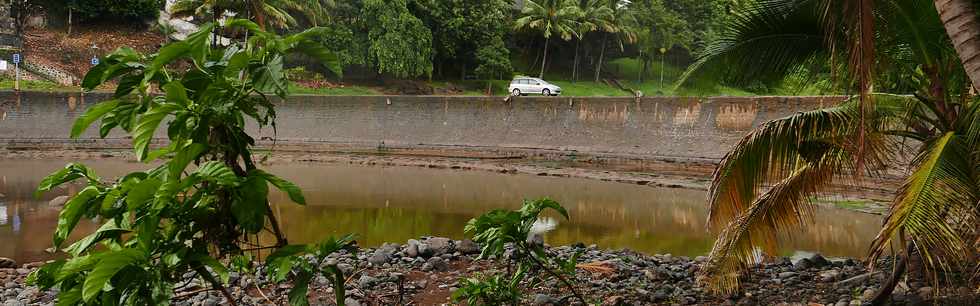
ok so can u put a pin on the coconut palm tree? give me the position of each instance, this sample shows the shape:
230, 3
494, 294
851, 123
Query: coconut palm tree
594, 16
764, 187
266, 13
552, 18
623, 22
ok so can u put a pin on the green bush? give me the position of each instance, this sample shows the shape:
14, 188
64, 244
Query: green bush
97, 10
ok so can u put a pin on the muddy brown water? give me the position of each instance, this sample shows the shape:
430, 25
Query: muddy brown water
394, 204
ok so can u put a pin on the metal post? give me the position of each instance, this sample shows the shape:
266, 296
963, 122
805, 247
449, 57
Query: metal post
17, 76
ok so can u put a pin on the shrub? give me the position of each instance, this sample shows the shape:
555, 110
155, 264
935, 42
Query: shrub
134, 10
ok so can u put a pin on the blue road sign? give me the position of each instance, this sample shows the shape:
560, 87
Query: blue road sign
95, 60
16, 58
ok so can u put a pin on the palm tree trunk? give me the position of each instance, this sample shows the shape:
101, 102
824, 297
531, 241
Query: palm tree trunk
960, 20
575, 62
602, 55
884, 293
544, 58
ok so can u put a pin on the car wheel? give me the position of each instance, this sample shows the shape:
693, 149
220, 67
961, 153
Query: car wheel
546, 92
516, 92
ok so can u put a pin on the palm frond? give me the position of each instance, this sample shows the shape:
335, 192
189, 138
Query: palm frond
786, 206
939, 193
765, 41
769, 154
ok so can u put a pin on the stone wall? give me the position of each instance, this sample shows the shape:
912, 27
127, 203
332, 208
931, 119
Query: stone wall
650, 128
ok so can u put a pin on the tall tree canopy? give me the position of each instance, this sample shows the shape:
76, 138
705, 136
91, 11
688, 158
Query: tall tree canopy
400, 44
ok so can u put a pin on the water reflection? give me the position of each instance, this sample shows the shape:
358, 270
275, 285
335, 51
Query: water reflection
384, 204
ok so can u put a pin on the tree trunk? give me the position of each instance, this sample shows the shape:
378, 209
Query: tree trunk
69, 21
960, 20
544, 58
884, 293
602, 55
575, 62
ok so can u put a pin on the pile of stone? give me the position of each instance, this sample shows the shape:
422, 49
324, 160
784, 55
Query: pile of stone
426, 271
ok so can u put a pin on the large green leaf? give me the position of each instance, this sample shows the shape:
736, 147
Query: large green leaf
93, 113
269, 78
142, 192
325, 56
69, 173
106, 231
72, 212
217, 172
251, 203
71, 297
107, 267
147, 126
176, 93
295, 194
184, 157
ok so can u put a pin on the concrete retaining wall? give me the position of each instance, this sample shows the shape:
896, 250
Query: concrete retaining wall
651, 128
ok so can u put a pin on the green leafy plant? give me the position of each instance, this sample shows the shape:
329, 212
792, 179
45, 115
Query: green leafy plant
175, 218
496, 289
288, 260
498, 230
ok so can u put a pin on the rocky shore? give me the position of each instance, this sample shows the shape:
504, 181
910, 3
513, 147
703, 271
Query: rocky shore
428, 270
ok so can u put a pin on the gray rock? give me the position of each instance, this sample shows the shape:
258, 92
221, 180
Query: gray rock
436, 264
425, 250
346, 268
58, 201
544, 299
322, 280
212, 301
411, 248
351, 302
7, 263
467, 247
423, 283
802, 264
367, 281
439, 245
12, 302
818, 261
829, 275
378, 258
11, 285
785, 275
23, 271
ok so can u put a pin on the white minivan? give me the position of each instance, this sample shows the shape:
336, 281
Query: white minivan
522, 86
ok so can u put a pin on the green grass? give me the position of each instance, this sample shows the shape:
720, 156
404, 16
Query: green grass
350, 90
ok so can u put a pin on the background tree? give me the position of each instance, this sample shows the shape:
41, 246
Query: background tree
661, 30
400, 44
594, 16
494, 59
551, 18
460, 28
625, 25
266, 13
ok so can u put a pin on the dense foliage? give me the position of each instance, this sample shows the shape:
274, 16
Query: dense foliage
451, 39
176, 218
116, 9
